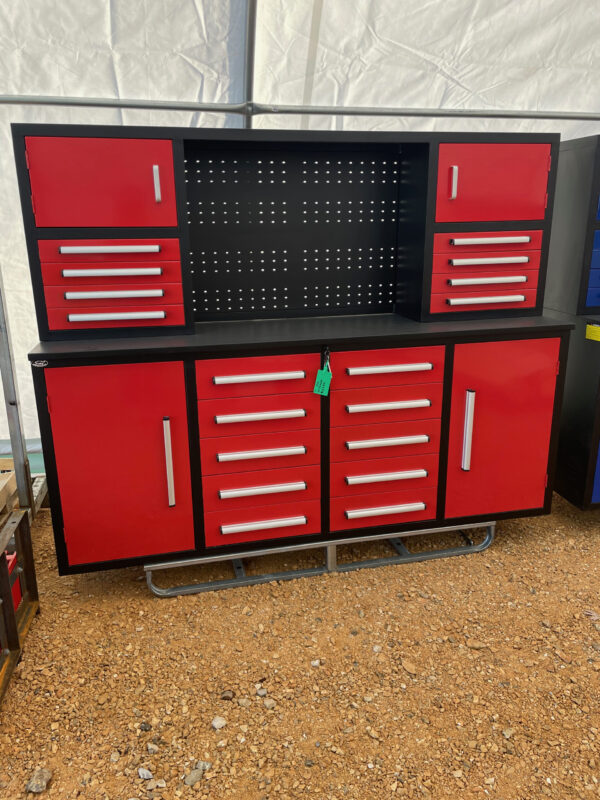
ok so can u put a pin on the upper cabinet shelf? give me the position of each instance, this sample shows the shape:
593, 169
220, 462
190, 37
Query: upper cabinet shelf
79, 182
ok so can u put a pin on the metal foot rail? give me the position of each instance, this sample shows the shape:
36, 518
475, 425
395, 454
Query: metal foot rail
240, 578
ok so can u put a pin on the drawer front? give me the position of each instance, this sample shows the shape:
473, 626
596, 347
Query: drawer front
593, 297
257, 375
465, 242
389, 367
261, 487
511, 262
70, 251
348, 478
72, 296
260, 451
127, 316
361, 442
262, 522
482, 300
382, 508
235, 416
386, 404
459, 282
118, 273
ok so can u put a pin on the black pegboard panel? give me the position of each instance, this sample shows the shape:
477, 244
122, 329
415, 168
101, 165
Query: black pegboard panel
292, 231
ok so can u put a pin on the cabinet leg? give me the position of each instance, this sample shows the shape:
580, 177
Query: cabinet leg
331, 557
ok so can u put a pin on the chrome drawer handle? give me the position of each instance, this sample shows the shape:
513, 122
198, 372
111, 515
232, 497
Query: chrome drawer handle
387, 368
361, 408
404, 475
220, 380
453, 182
465, 463
486, 281
169, 460
491, 240
260, 416
109, 248
466, 262
250, 491
111, 272
405, 508
474, 301
272, 453
116, 316
391, 442
156, 179
265, 525
116, 294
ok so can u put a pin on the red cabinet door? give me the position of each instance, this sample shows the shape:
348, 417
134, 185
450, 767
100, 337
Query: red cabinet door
108, 427
101, 183
500, 423
492, 182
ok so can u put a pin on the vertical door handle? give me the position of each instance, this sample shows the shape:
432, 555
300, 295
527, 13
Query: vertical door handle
453, 182
468, 430
156, 176
169, 460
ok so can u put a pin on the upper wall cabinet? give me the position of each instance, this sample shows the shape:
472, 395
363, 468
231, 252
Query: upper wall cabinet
478, 182
101, 182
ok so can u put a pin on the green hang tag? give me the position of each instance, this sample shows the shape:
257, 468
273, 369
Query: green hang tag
323, 380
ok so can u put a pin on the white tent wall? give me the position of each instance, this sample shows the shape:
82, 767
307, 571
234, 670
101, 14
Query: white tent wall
518, 54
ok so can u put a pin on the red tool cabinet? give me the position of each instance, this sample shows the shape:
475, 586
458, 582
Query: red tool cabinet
189, 284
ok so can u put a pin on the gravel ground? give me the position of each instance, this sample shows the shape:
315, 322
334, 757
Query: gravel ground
464, 678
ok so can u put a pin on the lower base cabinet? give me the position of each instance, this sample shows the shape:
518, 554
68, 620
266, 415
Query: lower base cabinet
147, 460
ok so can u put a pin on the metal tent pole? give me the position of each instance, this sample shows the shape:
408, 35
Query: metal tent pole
249, 54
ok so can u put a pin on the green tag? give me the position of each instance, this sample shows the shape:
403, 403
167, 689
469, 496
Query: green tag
323, 379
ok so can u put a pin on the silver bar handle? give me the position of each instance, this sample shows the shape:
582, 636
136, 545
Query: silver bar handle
221, 380
453, 182
474, 301
467, 262
111, 272
388, 368
260, 416
362, 444
156, 178
474, 240
487, 281
380, 511
116, 316
268, 524
108, 248
118, 294
169, 460
361, 408
465, 463
404, 475
272, 453
251, 491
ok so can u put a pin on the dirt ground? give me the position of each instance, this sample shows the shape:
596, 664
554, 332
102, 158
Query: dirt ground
467, 677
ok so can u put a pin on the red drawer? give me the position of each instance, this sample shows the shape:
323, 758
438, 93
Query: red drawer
259, 414
261, 487
386, 404
377, 441
116, 274
510, 262
382, 508
62, 319
97, 250
239, 377
509, 280
389, 367
482, 300
11, 559
349, 478
260, 451
470, 241
72, 297
265, 522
